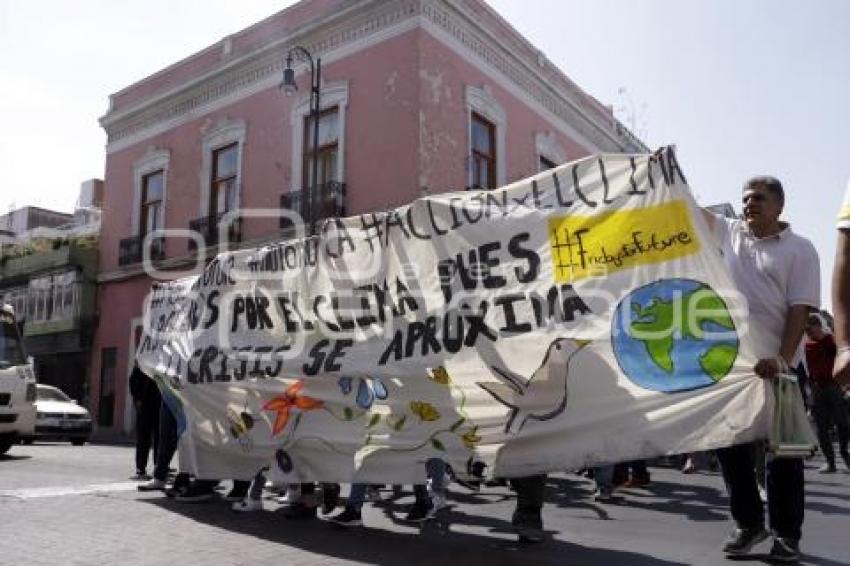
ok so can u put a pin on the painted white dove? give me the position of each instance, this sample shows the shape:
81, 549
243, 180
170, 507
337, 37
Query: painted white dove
542, 396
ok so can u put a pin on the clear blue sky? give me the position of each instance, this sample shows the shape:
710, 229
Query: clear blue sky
742, 87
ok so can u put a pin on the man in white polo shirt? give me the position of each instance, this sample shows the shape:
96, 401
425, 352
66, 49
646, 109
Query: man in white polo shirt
841, 293
778, 273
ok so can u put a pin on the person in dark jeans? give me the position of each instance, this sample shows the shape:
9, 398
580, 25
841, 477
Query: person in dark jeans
168, 438
778, 272
146, 400
528, 516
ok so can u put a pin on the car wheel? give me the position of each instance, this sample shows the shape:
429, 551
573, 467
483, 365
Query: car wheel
78, 441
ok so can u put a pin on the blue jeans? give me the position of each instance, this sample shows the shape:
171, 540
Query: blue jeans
434, 468
604, 477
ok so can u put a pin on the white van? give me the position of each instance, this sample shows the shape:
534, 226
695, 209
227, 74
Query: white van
17, 384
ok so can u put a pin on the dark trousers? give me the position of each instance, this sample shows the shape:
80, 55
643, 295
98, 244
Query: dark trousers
147, 434
785, 498
828, 408
529, 493
167, 442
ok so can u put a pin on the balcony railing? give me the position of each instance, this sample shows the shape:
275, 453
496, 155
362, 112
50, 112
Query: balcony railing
314, 205
130, 250
209, 227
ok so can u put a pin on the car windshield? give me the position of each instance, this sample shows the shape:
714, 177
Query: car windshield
51, 394
11, 350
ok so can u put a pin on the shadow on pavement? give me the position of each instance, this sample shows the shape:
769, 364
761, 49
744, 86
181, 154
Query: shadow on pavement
694, 502
436, 543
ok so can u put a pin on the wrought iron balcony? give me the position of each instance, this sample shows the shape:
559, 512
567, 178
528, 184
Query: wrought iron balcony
130, 250
209, 227
314, 205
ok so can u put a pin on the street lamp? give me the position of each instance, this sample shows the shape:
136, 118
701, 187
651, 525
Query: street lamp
289, 86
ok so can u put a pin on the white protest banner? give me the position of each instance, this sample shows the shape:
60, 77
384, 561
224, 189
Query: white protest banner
579, 317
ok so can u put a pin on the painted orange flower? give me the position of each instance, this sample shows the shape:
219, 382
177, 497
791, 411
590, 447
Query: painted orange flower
291, 399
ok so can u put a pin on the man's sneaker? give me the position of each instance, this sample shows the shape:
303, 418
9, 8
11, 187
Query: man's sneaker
784, 550
741, 541
140, 475
153, 485
827, 469
330, 497
373, 493
238, 492
247, 505
194, 494
528, 525
604, 495
348, 517
299, 510
419, 511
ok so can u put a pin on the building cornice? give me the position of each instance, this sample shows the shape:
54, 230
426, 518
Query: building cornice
360, 25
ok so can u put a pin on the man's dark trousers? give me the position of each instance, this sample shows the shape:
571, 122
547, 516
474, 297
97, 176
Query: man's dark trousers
147, 433
167, 442
785, 498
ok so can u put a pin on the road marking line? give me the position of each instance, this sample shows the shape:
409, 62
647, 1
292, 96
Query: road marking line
40, 492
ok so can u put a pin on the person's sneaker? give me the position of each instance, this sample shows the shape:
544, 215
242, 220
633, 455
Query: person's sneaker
741, 541
330, 497
152, 485
348, 517
140, 475
299, 510
373, 493
604, 495
528, 525
419, 511
237, 493
827, 469
784, 550
194, 494
181, 483
247, 505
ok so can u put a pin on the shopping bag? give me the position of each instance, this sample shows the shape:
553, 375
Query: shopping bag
791, 434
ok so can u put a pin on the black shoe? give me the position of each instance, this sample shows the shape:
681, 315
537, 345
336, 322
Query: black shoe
528, 524
330, 497
238, 492
181, 483
785, 550
299, 511
420, 511
348, 517
742, 541
194, 494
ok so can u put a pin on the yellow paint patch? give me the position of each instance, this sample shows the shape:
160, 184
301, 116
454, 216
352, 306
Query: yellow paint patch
587, 246
844, 214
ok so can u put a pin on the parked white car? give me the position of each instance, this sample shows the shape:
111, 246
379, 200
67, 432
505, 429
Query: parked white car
59, 417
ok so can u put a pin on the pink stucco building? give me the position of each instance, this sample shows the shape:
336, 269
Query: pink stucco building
417, 97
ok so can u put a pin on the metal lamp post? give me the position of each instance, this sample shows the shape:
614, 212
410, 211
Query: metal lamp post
289, 86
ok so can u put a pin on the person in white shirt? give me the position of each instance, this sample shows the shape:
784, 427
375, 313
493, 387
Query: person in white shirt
778, 273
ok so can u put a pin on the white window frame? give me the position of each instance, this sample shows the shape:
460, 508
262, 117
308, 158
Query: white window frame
481, 101
225, 132
332, 94
154, 160
546, 145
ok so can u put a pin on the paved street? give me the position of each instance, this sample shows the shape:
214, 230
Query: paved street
74, 505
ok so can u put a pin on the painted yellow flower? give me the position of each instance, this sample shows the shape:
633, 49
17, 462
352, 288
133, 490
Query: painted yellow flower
440, 375
470, 439
424, 411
